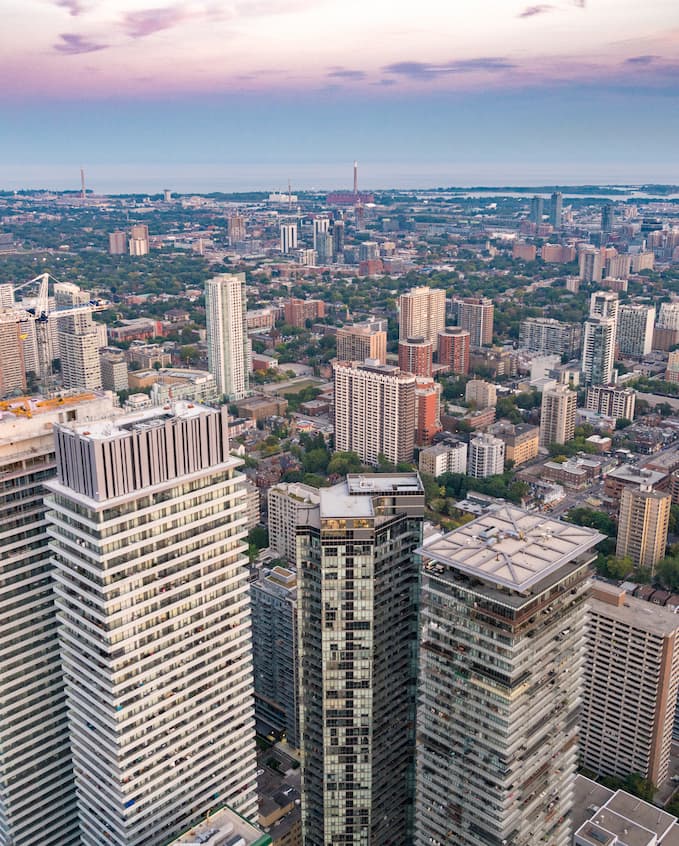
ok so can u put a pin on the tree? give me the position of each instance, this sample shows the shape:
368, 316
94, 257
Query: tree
316, 460
619, 568
342, 463
622, 423
593, 520
667, 572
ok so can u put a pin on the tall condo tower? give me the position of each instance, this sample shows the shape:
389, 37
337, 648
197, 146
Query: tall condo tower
227, 340
422, 313
501, 655
147, 525
357, 597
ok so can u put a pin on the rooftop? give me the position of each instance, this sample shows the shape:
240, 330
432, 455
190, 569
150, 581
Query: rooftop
224, 828
511, 547
353, 497
630, 473
635, 613
148, 418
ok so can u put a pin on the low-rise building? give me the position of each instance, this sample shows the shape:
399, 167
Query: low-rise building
521, 441
259, 408
448, 457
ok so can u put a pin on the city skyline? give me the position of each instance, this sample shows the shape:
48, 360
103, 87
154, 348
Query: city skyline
497, 92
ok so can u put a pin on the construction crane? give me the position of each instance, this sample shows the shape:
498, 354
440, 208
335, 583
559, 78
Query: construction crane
42, 317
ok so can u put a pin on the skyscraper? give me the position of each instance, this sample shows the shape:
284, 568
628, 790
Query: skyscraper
486, 456
321, 228
117, 243
604, 304
361, 341
427, 409
453, 349
374, 411
338, 238
79, 340
502, 630
139, 240
37, 799
631, 682
611, 401
287, 505
147, 526
274, 642
590, 265
635, 329
227, 340
598, 350
555, 209
422, 313
557, 415
476, 316
13, 325
415, 356
288, 236
607, 218
537, 206
642, 525
236, 229
358, 588
546, 335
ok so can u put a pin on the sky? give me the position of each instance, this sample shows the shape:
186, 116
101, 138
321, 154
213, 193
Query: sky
248, 94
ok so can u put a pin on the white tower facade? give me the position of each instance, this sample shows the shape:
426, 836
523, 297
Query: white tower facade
227, 341
148, 525
288, 237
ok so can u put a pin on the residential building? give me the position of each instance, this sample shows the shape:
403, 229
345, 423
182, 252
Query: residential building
422, 313
79, 340
427, 410
537, 207
557, 415
642, 525
672, 372
147, 356
642, 261
37, 800
630, 475
444, 458
287, 504
635, 329
591, 265
617, 267
556, 210
259, 408
521, 440
630, 690
604, 304
288, 236
274, 643
483, 394
297, 312
358, 579
453, 349
176, 383
547, 336
13, 327
607, 218
338, 238
598, 350
159, 685
415, 355
486, 456
523, 251
502, 628
368, 251
321, 228
253, 499
611, 401
113, 366
476, 316
117, 243
139, 240
224, 826
236, 229
669, 315
227, 341
374, 411
361, 341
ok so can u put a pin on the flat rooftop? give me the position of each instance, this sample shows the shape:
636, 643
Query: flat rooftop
635, 613
148, 418
629, 473
353, 497
511, 547
223, 828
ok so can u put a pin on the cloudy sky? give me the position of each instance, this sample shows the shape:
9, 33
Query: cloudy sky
249, 93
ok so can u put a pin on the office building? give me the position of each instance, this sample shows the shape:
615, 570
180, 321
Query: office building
642, 525
358, 609
550, 337
374, 411
427, 410
481, 393
502, 629
288, 236
274, 644
598, 350
476, 316
537, 205
415, 355
486, 456
288, 503
521, 440
611, 401
557, 415
556, 209
159, 680
422, 313
453, 349
236, 229
37, 800
361, 341
117, 243
321, 228
139, 244
444, 458
227, 340
630, 690
635, 329
590, 265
